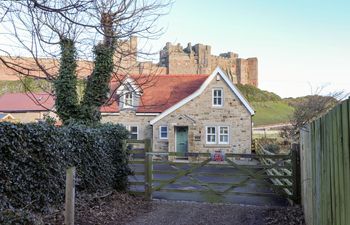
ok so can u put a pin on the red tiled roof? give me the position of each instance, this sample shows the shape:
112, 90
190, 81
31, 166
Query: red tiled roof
159, 92
21, 102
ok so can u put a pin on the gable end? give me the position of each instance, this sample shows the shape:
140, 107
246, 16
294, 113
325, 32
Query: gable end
216, 72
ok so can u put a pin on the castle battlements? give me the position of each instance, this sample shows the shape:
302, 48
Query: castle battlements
173, 59
197, 59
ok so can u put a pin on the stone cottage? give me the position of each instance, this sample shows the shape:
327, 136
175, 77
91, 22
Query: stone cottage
179, 113
183, 113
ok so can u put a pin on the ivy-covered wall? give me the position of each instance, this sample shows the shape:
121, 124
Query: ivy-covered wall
34, 158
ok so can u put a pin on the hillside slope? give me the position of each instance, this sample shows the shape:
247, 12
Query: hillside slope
269, 107
269, 112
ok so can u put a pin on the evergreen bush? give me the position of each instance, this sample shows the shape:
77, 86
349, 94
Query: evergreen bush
34, 159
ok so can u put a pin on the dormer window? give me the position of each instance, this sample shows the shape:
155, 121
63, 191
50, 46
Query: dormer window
129, 94
218, 97
128, 100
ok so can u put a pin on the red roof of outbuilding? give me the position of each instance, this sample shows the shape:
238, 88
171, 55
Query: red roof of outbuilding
21, 102
159, 92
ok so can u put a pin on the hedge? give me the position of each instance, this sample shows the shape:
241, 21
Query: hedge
34, 158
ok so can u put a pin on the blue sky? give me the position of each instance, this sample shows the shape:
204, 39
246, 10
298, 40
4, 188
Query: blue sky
301, 45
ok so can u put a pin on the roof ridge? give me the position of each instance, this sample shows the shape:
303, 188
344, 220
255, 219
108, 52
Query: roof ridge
23, 93
171, 75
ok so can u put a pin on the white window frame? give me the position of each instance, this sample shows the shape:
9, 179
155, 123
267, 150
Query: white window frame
126, 105
160, 133
128, 127
217, 134
216, 97
207, 134
222, 134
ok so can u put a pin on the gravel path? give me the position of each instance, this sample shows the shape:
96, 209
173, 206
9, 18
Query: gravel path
188, 213
195, 213
113, 208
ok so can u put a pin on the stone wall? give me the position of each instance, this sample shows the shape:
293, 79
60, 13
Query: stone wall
198, 59
129, 118
173, 59
196, 115
253, 71
199, 113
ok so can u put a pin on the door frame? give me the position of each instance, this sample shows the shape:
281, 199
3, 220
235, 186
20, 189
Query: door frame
175, 127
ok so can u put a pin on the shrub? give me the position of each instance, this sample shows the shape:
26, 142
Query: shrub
17, 217
34, 158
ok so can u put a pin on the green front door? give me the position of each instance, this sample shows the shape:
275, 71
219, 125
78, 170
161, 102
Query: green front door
181, 139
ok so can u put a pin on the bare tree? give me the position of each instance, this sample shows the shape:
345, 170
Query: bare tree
308, 108
43, 30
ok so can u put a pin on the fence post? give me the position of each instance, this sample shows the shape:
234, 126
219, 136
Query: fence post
124, 145
296, 173
70, 196
148, 170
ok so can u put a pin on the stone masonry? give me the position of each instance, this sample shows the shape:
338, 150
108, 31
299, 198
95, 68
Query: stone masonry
130, 118
198, 59
173, 59
199, 113
196, 115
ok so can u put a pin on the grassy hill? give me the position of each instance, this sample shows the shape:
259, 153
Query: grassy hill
254, 94
271, 112
270, 108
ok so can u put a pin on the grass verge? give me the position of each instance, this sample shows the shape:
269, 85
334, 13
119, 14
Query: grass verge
271, 113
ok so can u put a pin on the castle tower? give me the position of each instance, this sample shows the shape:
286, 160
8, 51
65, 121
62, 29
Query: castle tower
253, 71
126, 54
202, 55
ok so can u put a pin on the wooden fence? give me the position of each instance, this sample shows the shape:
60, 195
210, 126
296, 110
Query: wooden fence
274, 176
325, 168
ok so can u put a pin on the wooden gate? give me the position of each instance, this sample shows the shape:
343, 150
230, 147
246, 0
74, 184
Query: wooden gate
216, 175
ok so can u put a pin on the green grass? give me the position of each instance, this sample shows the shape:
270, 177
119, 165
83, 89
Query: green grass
9, 87
254, 94
270, 108
33, 85
271, 113
19, 86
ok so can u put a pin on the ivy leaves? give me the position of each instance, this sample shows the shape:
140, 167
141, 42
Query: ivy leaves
69, 109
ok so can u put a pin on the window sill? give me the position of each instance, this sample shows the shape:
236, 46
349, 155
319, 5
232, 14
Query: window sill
217, 145
163, 140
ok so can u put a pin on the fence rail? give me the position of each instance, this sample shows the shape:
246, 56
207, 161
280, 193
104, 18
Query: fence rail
162, 173
286, 176
325, 160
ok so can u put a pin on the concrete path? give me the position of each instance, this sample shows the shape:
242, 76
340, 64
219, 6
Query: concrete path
194, 213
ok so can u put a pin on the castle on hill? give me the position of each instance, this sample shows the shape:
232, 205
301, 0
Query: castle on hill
196, 59
173, 59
